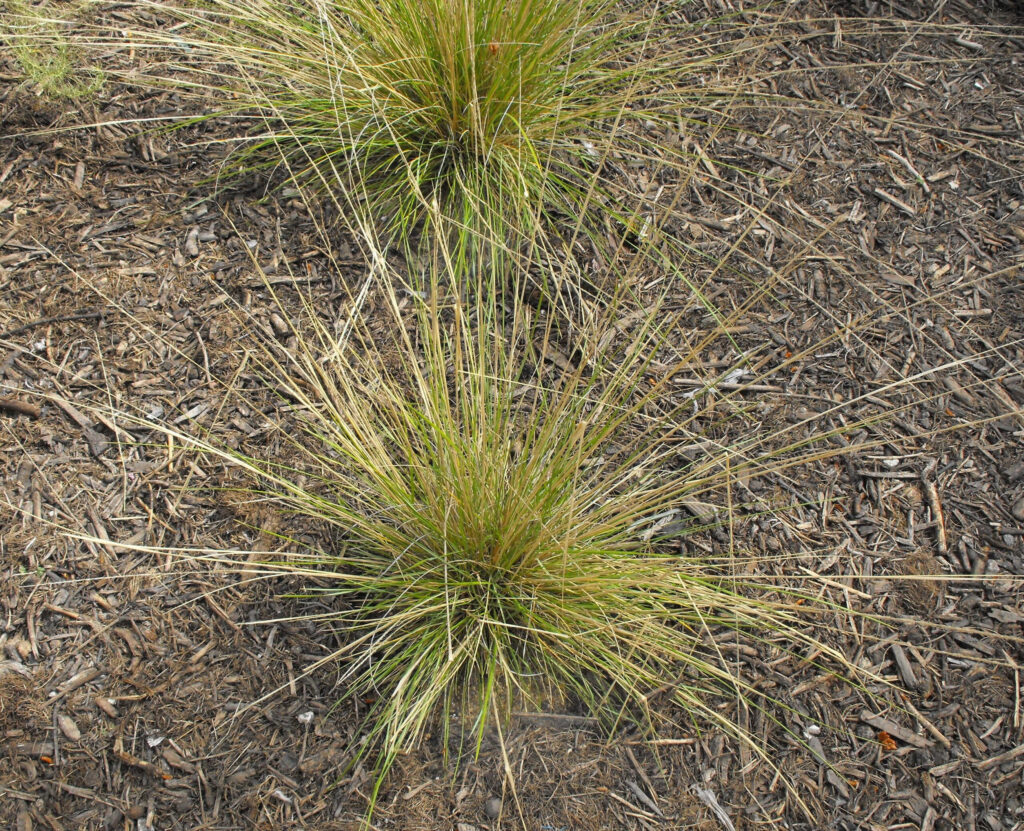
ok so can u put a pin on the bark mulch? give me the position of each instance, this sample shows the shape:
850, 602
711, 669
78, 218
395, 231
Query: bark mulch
139, 690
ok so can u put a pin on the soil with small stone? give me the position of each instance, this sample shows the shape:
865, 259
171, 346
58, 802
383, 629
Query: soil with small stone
882, 201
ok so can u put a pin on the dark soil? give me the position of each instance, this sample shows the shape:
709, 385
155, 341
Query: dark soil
140, 690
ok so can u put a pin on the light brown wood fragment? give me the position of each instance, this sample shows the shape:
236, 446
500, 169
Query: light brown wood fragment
15, 405
1008, 756
76, 681
893, 729
894, 201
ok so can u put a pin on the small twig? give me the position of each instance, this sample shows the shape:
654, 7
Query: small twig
568, 718
55, 756
968, 44
74, 682
131, 760
101, 533
1016, 686
911, 170
644, 798
220, 612
886, 474
936, 507
45, 321
1008, 756
896, 203
728, 386
931, 728
623, 801
646, 780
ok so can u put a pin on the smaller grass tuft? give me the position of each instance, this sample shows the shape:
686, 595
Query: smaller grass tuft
39, 43
462, 120
496, 128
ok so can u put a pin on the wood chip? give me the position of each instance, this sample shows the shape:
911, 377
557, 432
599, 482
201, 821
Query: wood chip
14, 405
894, 201
893, 729
1008, 756
97, 442
174, 759
932, 492
106, 705
76, 681
69, 728
708, 798
903, 665
127, 758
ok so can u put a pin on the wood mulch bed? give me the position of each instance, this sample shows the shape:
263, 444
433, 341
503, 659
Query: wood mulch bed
139, 691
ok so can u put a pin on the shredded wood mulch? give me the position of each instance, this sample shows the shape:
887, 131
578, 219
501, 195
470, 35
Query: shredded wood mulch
138, 691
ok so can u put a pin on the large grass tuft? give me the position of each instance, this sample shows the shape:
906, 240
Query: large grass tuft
496, 534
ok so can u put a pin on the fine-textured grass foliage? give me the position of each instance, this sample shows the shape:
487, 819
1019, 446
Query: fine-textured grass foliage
504, 127
484, 522
36, 35
496, 533
493, 532
467, 120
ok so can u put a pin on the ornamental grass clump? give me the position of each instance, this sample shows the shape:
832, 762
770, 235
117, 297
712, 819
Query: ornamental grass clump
465, 119
496, 533
495, 126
